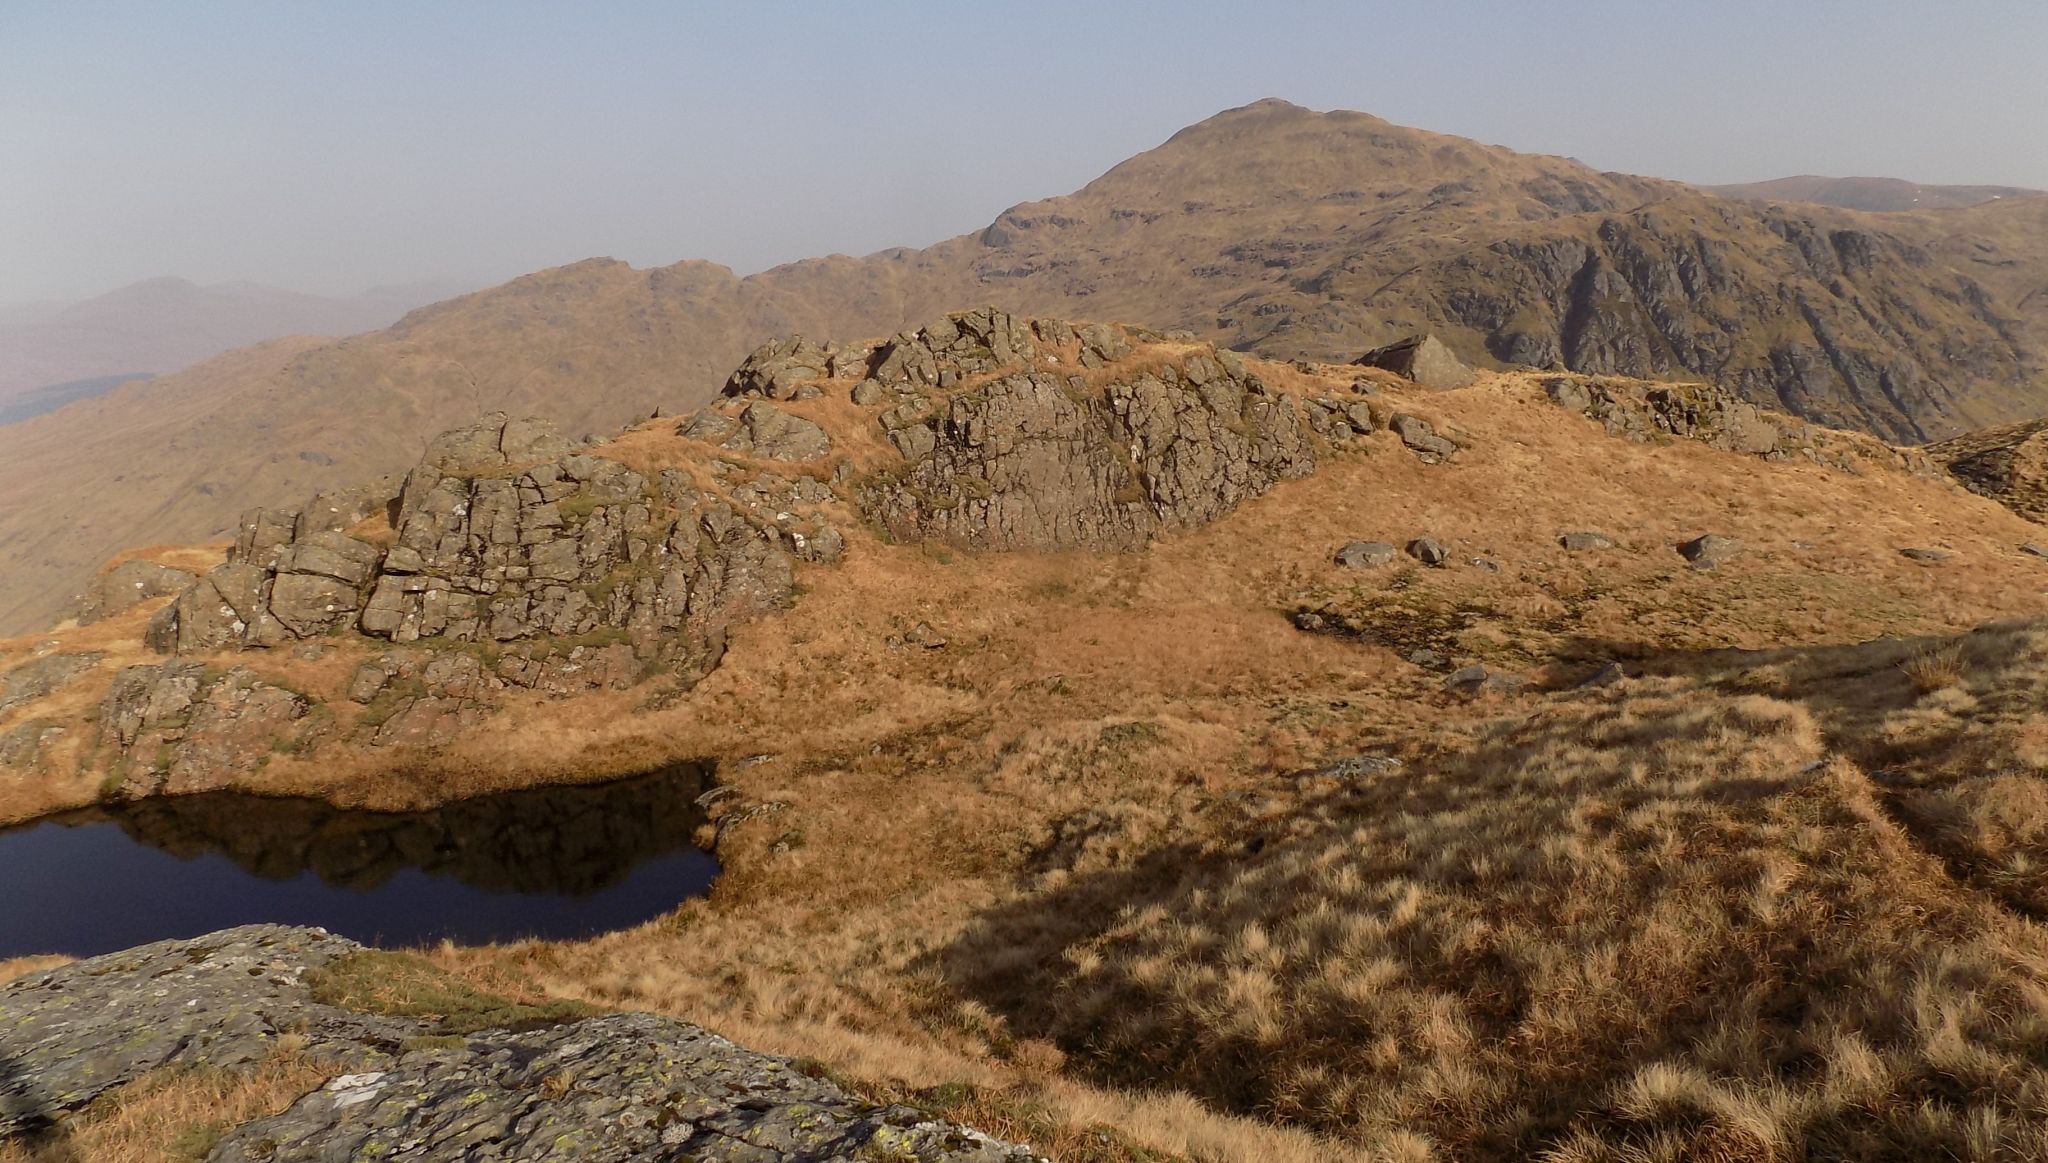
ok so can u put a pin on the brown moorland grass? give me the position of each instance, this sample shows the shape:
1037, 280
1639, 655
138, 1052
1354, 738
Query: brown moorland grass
173, 1116
1069, 871
14, 967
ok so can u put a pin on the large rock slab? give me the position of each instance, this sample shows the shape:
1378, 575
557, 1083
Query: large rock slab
613, 1088
1034, 460
70, 1034
1421, 359
616, 1088
2008, 464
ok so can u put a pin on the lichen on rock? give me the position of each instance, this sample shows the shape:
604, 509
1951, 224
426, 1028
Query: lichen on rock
559, 1086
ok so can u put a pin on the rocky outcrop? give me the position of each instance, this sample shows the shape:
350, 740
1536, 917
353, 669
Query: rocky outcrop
1422, 360
182, 727
512, 560
1039, 459
782, 369
23, 747
1720, 419
614, 1087
128, 584
2009, 464
488, 546
42, 676
761, 431
946, 350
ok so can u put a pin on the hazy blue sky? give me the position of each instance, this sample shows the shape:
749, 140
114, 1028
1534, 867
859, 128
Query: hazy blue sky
331, 146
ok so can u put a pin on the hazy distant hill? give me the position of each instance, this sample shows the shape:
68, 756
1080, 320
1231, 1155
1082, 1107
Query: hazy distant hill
1884, 195
161, 325
1269, 228
36, 401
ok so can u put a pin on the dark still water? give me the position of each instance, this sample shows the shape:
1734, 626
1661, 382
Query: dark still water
551, 862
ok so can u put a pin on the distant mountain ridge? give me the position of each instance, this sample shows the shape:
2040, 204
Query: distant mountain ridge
164, 324
1270, 229
1880, 195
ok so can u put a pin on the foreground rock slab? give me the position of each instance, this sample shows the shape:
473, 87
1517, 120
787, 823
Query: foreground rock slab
614, 1087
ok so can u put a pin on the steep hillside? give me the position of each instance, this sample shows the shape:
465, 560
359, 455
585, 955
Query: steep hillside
1158, 754
1881, 195
1269, 228
165, 324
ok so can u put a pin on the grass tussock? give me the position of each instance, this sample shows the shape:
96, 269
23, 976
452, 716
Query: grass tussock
1935, 669
18, 967
403, 985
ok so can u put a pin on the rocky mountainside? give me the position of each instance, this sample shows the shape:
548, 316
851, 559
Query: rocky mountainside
552, 1086
1114, 737
513, 565
1269, 228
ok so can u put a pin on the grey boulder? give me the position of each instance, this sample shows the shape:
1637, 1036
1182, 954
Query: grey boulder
1366, 554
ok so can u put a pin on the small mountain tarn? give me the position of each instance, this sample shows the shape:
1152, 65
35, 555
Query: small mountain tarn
548, 862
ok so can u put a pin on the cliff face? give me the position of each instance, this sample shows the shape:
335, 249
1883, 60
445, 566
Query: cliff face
1267, 229
1840, 322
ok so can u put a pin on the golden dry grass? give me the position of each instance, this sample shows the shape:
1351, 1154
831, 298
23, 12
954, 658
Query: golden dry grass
15, 967
1770, 898
172, 1116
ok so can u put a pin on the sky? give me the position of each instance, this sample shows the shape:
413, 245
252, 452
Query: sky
331, 147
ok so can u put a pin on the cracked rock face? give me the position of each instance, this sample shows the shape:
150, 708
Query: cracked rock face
491, 547
614, 1088
179, 728
73, 1033
1037, 460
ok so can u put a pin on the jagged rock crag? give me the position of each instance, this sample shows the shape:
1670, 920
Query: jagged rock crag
1720, 419
1046, 457
502, 534
2009, 464
184, 727
615, 1087
568, 571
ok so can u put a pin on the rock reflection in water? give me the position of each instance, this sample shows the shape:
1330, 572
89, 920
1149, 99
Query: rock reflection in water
573, 840
555, 863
